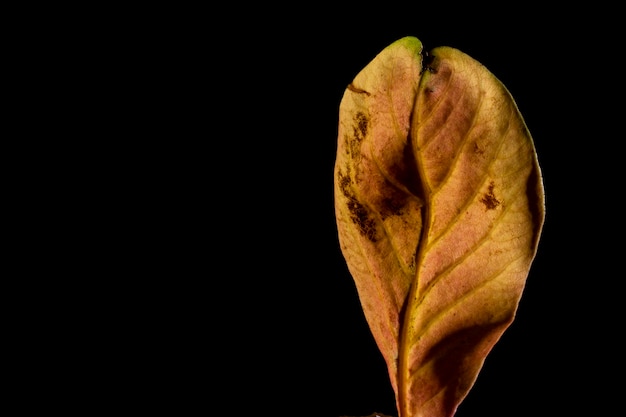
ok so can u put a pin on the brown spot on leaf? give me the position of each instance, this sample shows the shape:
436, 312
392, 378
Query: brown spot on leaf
361, 125
359, 131
354, 89
359, 214
391, 202
489, 198
478, 150
393, 206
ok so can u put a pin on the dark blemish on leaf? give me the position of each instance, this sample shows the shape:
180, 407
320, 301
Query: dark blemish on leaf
353, 149
478, 150
489, 199
360, 217
393, 201
393, 204
413, 260
360, 128
359, 214
413, 263
344, 184
354, 89
362, 124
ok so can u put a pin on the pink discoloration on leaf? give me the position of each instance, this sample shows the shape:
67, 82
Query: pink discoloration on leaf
439, 206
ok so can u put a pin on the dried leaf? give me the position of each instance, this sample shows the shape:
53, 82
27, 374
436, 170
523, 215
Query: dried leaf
439, 206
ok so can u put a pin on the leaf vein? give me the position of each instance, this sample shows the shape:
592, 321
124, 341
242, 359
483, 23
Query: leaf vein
471, 196
463, 143
463, 257
467, 295
442, 124
438, 103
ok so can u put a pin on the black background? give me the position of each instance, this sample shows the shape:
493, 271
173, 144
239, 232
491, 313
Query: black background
221, 285
283, 309
309, 351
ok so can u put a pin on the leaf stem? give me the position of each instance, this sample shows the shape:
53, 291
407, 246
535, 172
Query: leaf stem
412, 297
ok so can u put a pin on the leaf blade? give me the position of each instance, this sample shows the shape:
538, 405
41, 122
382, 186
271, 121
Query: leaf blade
372, 202
440, 205
480, 233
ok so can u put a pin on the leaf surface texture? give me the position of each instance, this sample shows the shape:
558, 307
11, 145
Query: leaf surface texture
439, 205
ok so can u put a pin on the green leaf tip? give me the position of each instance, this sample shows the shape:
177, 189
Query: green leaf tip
409, 43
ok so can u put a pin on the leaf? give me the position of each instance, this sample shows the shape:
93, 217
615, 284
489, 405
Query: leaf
439, 205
